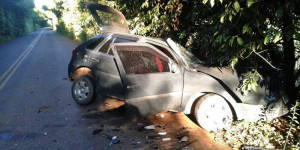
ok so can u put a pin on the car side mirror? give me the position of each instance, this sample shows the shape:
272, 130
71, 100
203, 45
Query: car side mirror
174, 68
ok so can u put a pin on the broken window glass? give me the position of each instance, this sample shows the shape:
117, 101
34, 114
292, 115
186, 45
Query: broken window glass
140, 61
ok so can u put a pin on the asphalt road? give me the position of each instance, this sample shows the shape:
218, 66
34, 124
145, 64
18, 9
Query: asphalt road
38, 112
36, 107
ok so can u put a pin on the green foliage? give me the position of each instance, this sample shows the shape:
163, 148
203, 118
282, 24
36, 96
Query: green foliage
62, 29
260, 134
249, 82
275, 134
292, 141
83, 36
58, 10
153, 18
18, 18
257, 33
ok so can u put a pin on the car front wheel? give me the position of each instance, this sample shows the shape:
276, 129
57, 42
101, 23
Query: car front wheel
213, 112
83, 90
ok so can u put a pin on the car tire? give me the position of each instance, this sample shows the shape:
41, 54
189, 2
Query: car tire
213, 112
83, 90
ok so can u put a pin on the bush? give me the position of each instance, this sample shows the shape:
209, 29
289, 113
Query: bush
83, 36
280, 133
62, 29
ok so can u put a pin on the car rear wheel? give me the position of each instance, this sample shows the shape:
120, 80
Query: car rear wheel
83, 90
213, 112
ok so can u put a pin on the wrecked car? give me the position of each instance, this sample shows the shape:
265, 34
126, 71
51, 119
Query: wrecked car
154, 75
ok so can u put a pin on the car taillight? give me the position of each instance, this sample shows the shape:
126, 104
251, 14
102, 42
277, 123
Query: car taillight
73, 52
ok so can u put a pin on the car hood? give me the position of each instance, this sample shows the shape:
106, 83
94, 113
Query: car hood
108, 19
230, 80
224, 74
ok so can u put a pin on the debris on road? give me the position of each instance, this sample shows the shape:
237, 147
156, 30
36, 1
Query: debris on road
107, 104
161, 115
114, 140
65, 78
150, 127
135, 142
184, 139
42, 108
166, 139
162, 133
45, 133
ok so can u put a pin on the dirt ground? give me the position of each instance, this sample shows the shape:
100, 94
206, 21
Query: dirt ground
131, 134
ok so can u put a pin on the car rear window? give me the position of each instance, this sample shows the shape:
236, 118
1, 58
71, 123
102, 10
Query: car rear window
105, 46
95, 43
123, 40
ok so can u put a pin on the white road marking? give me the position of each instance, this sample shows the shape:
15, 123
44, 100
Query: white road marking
12, 69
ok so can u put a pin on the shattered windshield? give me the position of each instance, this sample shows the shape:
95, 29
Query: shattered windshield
188, 58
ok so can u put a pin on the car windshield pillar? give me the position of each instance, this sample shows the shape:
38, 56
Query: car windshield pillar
187, 57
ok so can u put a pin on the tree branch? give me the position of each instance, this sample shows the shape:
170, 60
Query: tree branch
266, 61
263, 51
249, 54
257, 52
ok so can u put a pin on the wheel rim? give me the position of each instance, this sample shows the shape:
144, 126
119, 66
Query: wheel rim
81, 90
214, 114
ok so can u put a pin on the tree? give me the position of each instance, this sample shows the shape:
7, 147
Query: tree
262, 30
18, 18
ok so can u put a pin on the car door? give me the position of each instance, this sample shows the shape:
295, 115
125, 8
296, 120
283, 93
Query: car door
105, 69
153, 83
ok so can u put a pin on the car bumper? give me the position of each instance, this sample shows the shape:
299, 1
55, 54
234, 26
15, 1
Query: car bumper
261, 112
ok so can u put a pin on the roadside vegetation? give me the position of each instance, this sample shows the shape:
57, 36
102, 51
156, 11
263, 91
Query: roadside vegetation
280, 133
18, 18
253, 33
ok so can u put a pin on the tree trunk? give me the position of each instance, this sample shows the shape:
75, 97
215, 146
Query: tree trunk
289, 55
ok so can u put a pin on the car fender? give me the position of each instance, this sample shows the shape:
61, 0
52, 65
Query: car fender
82, 70
193, 100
